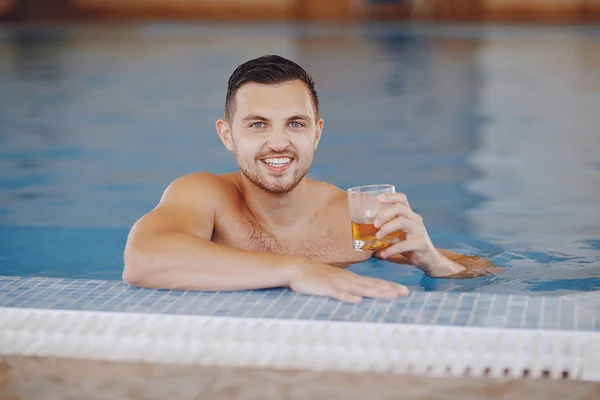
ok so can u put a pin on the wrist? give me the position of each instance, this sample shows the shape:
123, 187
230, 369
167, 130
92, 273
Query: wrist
444, 267
291, 268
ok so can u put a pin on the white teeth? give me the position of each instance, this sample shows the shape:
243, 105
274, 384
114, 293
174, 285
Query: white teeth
278, 161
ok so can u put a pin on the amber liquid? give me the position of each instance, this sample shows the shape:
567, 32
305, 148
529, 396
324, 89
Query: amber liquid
363, 236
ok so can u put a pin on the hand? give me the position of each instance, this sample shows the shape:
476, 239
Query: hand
324, 280
474, 266
417, 247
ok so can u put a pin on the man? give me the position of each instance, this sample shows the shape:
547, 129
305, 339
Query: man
267, 225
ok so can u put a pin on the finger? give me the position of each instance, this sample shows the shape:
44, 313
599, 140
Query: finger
403, 247
388, 198
400, 224
396, 210
376, 292
380, 284
391, 292
401, 289
346, 296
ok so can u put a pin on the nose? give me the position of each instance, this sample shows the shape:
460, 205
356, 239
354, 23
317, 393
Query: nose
278, 140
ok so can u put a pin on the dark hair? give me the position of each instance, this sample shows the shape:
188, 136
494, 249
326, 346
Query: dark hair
267, 70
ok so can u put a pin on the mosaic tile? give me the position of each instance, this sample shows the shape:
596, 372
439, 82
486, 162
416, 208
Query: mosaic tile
572, 312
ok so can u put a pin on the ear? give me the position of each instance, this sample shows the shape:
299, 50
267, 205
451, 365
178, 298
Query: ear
224, 132
320, 124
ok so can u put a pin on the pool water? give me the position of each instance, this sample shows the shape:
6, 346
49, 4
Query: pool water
492, 132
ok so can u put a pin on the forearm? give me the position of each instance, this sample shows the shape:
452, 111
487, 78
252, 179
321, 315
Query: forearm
444, 264
183, 261
448, 264
470, 266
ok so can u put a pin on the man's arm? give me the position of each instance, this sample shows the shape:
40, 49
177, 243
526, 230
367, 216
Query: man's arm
417, 249
467, 266
170, 248
474, 266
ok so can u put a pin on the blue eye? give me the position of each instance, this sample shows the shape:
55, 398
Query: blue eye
296, 125
258, 125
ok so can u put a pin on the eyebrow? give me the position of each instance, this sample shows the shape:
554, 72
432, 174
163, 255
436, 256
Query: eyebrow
256, 117
300, 117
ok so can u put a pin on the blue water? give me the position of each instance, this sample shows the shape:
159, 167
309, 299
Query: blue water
491, 132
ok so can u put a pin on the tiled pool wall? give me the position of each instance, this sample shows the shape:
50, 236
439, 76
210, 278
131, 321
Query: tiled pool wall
577, 312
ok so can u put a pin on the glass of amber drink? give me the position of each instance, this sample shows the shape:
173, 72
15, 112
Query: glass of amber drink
364, 206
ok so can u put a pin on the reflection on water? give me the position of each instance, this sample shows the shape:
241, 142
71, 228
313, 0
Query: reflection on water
37, 54
491, 132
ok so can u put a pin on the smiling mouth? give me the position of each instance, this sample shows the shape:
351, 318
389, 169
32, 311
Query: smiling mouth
277, 162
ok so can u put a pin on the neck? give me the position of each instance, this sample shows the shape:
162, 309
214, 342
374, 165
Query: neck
276, 211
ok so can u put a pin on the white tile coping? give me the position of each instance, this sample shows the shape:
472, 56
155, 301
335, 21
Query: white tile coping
301, 344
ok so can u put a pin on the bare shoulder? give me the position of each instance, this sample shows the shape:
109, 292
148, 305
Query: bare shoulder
336, 196
199, 188
334, 200
190, 203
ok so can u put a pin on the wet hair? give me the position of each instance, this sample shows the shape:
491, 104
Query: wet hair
267, 70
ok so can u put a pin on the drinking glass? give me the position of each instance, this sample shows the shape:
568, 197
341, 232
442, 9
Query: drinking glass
364, 206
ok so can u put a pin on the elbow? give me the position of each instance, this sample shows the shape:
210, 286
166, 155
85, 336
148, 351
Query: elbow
136, 269
132, 276
133, 273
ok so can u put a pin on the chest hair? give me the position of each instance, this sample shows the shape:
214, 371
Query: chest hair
319, 244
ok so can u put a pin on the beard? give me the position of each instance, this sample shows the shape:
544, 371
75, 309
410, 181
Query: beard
277, 186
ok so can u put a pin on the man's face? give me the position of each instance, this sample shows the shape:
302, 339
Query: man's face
273, 134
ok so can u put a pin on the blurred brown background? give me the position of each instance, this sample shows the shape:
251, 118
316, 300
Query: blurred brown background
564, 11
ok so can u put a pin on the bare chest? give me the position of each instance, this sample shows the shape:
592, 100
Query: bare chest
325, 242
